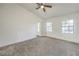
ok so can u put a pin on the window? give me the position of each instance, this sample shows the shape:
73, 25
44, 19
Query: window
38, 27
68, 26
49, 26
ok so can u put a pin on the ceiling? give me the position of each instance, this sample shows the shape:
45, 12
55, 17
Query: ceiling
58, 9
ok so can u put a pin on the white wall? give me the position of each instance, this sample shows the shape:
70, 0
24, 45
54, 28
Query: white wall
16, 24
43, 28
56, 31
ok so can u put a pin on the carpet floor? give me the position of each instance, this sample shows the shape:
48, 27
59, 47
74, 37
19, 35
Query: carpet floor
41, 46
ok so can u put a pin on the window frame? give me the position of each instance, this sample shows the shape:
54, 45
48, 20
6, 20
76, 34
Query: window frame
68, 27
49, 26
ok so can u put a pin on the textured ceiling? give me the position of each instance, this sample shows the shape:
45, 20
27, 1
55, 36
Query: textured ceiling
58, 9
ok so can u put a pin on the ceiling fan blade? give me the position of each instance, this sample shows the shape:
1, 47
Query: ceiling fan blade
38, 8
44, 9
38, 3
48, 6
41, 3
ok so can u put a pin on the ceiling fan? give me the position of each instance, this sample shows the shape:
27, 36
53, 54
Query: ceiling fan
43, 6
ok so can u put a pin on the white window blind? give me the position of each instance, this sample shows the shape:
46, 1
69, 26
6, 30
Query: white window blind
68, 26
49, 26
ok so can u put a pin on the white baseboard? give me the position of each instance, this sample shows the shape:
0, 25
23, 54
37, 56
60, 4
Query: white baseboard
4, 45
63, 39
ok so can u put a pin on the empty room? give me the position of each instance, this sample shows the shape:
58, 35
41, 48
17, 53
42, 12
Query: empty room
39, 29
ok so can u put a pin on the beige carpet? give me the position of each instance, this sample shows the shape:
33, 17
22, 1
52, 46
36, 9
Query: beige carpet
41, 46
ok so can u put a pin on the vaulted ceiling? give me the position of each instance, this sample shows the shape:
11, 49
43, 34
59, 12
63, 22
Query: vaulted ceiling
58, 9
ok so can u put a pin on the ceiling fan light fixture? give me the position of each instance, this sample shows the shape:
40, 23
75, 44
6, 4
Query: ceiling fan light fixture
42, 6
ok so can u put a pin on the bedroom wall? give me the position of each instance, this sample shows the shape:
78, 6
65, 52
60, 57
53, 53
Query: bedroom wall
16, 24
56, 27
